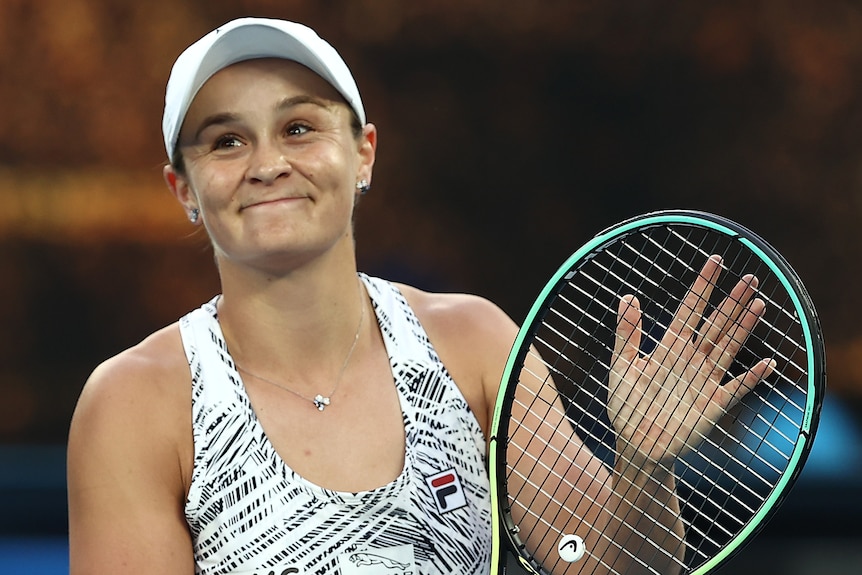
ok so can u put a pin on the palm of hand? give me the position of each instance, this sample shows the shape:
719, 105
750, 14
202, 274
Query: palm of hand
663, 404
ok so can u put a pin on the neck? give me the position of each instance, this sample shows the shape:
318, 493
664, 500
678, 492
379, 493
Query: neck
297, 326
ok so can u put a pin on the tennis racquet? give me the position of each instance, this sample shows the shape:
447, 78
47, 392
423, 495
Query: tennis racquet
581, 481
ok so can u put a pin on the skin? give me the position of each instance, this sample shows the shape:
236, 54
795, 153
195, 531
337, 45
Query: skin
272, 164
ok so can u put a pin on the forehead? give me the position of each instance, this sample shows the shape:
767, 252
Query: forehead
256, 81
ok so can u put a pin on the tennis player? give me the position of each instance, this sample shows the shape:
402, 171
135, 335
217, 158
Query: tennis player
309, 418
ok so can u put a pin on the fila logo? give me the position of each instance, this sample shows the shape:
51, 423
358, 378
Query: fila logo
447, 491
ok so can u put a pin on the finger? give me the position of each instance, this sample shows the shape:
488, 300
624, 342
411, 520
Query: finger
740, 386
734, 338
725, 316
691, 309
628, 334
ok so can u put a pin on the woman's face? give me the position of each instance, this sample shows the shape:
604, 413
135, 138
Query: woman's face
272, 163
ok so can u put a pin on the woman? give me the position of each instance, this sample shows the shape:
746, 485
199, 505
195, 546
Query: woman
308, 418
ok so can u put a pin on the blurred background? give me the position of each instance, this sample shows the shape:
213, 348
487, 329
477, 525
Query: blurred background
510, 133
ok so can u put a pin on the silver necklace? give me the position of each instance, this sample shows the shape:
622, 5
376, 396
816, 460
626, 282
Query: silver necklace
319, 401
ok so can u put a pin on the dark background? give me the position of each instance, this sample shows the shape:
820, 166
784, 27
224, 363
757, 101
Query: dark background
510, 133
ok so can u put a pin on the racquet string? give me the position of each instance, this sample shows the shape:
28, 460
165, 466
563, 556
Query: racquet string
728, 478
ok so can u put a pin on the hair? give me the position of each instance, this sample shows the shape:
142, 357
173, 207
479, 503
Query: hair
179, 164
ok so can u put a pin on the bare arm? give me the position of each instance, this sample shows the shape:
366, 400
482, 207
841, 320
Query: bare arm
126, 463
590, 499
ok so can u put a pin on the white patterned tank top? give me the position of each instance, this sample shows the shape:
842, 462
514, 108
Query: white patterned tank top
249, 513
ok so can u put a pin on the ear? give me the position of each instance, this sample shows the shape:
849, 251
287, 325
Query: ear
367, 152
180, 188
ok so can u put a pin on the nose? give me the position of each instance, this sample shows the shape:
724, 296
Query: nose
268, 164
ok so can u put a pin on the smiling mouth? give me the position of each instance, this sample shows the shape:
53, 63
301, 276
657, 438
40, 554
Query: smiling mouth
274, 202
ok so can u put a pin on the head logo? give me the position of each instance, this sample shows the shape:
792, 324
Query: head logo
447, 491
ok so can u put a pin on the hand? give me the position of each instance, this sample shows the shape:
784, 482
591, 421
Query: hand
663, 404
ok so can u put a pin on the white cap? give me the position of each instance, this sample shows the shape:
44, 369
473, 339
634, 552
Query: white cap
248, 39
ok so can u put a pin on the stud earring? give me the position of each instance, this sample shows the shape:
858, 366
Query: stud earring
363, 186
194, 215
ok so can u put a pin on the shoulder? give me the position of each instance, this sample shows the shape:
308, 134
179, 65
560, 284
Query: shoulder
138, 399
473, 337
149, 370
458, 315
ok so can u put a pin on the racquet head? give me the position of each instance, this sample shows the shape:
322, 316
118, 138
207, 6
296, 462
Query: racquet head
555, 455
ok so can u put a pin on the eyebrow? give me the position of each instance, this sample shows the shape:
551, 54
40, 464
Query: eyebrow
213, 120
303, 99
285, 104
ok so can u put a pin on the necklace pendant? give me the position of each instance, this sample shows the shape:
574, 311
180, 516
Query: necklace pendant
320, 402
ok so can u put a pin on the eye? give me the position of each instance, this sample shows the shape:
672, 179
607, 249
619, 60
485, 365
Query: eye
297, 129
227, 141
